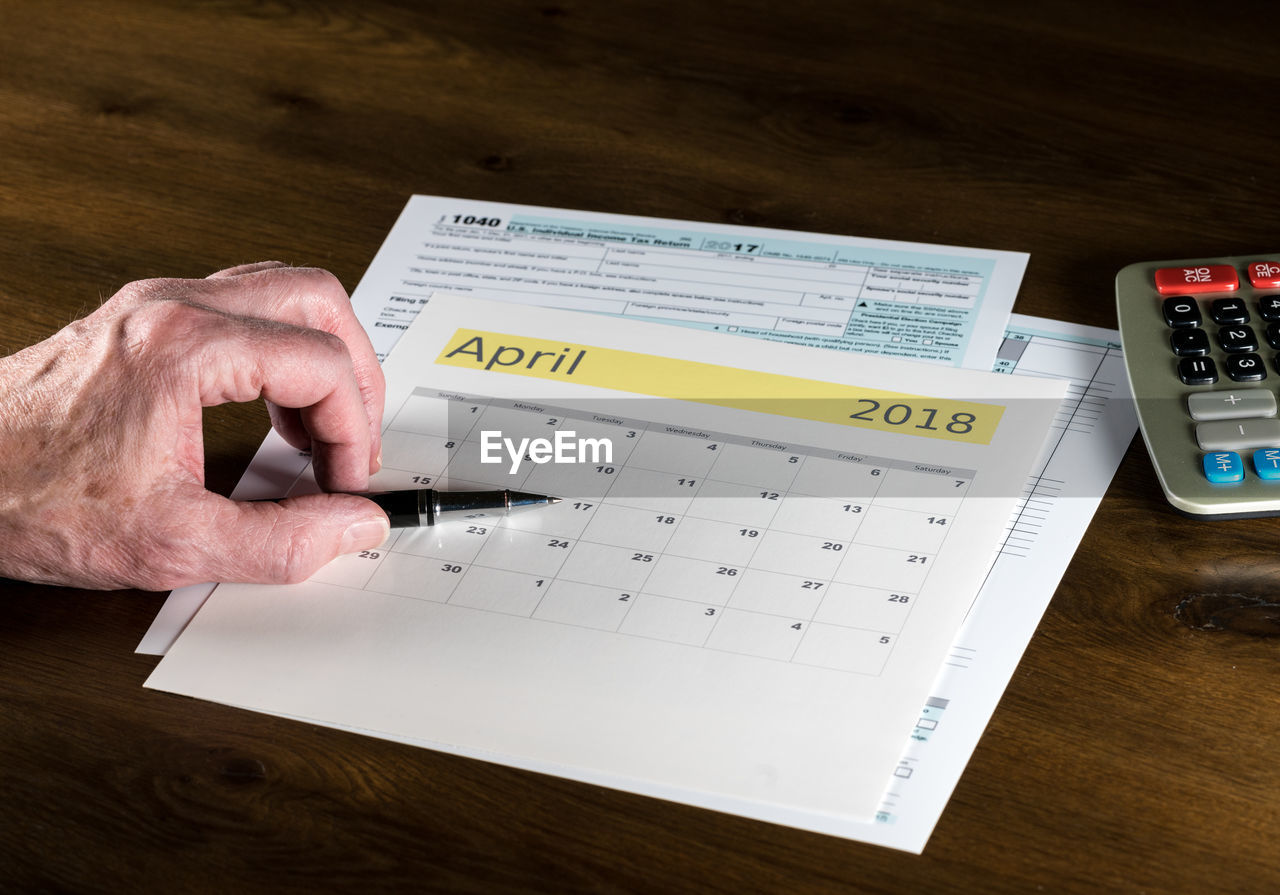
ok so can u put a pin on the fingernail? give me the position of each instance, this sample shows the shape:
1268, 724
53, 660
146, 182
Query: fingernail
365, 535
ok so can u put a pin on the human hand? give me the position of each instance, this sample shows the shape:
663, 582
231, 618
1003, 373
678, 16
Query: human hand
102, 480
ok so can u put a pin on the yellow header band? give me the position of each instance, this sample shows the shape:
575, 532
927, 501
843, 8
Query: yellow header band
685, 380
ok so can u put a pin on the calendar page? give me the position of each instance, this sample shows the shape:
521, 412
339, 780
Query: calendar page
748, 594
871, 296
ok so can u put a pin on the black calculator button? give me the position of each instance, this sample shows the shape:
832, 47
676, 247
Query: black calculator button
1273, 335
1192, 342
1229, 310
1180, 312
1237, 339
1269, 307
1197, 371
1245, 368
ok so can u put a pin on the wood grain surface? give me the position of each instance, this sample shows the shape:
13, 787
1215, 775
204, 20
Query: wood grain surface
1134, 750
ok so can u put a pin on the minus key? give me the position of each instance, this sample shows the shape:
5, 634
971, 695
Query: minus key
1238, 434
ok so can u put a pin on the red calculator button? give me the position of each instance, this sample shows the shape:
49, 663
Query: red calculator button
1264, 275
1200, 278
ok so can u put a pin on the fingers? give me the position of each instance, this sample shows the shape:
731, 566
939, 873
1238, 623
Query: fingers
304, 297
288, 422
272, 543
229, 358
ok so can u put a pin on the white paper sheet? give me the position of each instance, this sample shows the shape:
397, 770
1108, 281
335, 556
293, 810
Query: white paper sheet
1088, 444
753, 693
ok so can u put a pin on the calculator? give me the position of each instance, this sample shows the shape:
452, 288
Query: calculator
1201, 341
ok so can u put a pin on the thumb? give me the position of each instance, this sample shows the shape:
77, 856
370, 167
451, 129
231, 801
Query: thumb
265, 542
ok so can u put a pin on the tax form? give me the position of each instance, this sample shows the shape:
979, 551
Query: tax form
745, 601
896, 299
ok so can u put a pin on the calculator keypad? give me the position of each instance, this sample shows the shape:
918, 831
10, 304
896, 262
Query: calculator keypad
1226, 421
1201, 341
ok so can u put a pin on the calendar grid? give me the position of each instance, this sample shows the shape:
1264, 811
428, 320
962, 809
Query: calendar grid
649, 574
729, 596
706, 539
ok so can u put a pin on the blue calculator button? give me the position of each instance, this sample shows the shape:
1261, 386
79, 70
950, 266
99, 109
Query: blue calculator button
1267, 462
1224, 467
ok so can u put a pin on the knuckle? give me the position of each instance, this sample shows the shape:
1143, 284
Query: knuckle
321, 295
148, 290
161, 320
320, 282
326, 353
253, 267
331, 343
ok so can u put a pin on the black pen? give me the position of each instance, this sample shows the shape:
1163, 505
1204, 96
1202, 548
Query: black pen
427, 506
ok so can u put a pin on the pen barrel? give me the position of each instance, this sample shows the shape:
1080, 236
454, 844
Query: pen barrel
463, 504
406, 509
411, 509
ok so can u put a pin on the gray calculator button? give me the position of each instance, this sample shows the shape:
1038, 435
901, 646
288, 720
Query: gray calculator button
1226, 405
1238, 435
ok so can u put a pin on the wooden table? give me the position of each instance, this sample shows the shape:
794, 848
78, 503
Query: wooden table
1132, 752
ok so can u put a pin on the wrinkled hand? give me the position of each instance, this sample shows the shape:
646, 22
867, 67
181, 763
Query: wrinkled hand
101, 446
